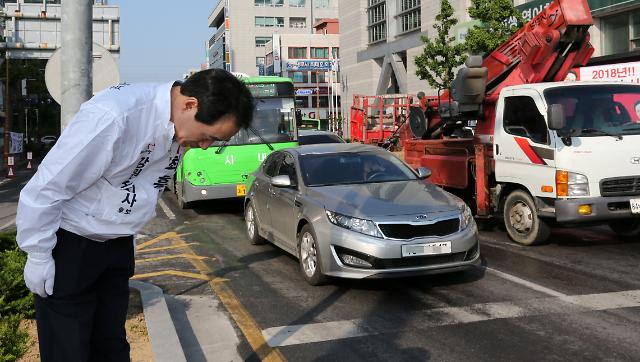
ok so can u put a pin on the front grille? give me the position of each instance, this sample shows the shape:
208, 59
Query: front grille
418, 261
410, 231
620, 186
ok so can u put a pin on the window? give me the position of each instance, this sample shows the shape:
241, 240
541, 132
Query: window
621, 33
297, 53
322, 4
299, 77
320, 53
269, 22
262, 40
324, 101
297, 3
297, 22
377, 20
259, 60
319, 77
335, 53
522, 118
270, 165
302, 102
409, 15
272, 3
288, 168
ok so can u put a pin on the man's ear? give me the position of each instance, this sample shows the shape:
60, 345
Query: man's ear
191, 103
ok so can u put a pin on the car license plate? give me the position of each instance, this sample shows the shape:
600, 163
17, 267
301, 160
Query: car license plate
635, 206
241, 190
443, 247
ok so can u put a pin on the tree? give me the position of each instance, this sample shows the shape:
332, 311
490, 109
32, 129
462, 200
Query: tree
499, 19
441, 55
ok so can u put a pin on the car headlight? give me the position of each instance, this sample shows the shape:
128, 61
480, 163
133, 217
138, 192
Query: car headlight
466, 217
571, 184
362, 226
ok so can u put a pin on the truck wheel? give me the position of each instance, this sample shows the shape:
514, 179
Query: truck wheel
626, 228
521, 220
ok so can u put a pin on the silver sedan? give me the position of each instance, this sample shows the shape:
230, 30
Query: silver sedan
357, 211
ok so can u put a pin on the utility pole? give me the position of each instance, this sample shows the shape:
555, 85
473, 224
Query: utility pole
8, 111
76, 56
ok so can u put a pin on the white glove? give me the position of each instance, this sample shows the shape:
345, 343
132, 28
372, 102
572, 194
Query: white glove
39, 273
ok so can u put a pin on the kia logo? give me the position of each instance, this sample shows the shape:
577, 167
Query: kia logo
421, 217
635, 160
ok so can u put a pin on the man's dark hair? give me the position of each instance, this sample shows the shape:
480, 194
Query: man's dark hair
219, 93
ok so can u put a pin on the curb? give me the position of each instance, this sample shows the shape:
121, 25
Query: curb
162, 333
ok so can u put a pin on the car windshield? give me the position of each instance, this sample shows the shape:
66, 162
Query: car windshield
310, 139
598, 110
353, 168
273, 120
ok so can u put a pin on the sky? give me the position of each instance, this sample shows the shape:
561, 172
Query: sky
162, 40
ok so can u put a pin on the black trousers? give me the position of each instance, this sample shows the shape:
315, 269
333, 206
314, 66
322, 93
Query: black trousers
84, 318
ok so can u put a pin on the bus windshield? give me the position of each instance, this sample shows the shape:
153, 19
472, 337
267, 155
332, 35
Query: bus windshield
273, 120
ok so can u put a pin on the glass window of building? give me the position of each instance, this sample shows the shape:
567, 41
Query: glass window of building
262, 40
297, 53
302, 102
321, 4
409, 15
259, 60
320, 53
335, 53
297, 22
324, 101
319, 77
299, 77
377, 20
621, 33
273, 3
269, 22
297, 3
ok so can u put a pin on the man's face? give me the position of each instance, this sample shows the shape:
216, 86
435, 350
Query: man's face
191, 133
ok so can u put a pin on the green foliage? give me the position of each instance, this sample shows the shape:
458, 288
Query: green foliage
15, 298
7, 240
495, 27
441, 55
13, 340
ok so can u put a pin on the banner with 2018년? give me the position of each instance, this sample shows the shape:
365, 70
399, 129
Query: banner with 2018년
623, 72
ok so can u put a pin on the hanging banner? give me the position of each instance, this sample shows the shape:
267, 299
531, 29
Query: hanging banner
623, 72
277, 64
16, 142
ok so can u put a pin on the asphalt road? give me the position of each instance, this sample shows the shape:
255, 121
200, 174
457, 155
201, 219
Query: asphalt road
576, 298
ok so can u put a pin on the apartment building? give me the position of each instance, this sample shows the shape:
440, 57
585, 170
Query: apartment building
243, 27
312, 63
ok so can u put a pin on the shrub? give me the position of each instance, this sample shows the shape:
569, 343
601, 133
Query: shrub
15, 298
13, 340
8, 240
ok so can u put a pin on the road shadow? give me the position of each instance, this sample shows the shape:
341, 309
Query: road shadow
215, 207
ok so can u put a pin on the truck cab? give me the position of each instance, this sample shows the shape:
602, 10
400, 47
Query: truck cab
567, 153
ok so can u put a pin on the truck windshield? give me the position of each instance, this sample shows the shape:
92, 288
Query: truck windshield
598, 110
273, 120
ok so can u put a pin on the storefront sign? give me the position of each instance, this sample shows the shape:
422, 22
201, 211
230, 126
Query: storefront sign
311, 64
304, 92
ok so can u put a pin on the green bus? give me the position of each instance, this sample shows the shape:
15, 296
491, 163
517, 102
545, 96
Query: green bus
309, 123
221, 171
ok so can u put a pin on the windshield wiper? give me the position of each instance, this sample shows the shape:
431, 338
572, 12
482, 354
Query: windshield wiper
221, 147
593, 130
261, 138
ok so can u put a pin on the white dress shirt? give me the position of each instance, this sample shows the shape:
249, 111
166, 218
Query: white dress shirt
103, 177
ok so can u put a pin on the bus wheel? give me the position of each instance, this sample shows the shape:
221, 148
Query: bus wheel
521, 220
181, 202
626, 228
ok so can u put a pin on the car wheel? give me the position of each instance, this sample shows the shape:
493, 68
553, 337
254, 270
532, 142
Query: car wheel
521, 220
626, 228
309, 258
251, 222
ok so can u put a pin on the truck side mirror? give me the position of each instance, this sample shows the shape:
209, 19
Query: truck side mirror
423, 173
555, 117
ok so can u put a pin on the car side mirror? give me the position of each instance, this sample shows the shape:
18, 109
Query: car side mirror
281, 181
555, 117
423, 173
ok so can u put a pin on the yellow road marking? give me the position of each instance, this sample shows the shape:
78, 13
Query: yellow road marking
166, 236
171, 272
186, 256
162, 248
241, 316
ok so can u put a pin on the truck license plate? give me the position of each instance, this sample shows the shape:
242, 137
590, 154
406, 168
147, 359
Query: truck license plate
635, 206
241, 190
443, 247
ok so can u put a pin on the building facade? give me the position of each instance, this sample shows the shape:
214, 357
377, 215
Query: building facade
312, 63
243, 27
